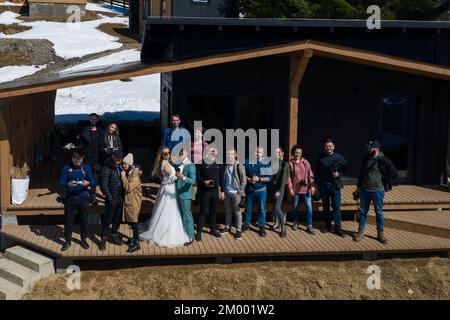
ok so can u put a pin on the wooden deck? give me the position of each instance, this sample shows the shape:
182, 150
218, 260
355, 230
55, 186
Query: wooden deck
43, 201
49, 239
428, 222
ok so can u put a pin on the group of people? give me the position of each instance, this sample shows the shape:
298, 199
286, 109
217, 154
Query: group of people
197, 175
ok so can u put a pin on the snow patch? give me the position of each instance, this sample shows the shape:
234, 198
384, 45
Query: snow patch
9, 17
138, 99
11, 73
11, 4
71, 40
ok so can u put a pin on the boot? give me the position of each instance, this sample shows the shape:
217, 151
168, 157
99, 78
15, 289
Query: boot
340, 233
262, 232
327, 227
134, 246
116, 239
283, 232
102, 244
310, 230
295, 226
381, 237
360, 235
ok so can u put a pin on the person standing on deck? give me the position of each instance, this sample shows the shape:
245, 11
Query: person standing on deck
110, 141
90, 138
277, 189
329, 170
186, 173
75, 179
176, 134
234, 184
112, 187
131, 180
210, 185
301, 187
258, 175
375, 175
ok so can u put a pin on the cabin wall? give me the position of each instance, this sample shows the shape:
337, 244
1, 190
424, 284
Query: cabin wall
338, 100
26, 121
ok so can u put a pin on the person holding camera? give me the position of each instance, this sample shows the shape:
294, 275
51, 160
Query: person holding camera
330, 168
258, 176
234, 187
112, 187
301, 187
210, 184
277, 188
76, 178
374, 179
110, 141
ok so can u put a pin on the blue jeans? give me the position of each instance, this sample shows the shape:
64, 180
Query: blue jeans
260, 198
331, 195
307, 200
377, 199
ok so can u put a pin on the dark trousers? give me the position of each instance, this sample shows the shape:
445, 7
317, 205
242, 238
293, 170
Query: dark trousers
96, 168
113, 215
71, 207
134, 227
208, 204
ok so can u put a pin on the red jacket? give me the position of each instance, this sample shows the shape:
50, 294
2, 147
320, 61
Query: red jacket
300, 171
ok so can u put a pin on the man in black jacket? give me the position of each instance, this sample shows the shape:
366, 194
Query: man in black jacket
90, 138
112, 187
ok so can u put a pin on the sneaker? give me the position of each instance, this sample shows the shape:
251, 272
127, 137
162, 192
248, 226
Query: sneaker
262, 232
326, 228
340, 233
216, 234
310, 230
238, 235
134, 246
66, 246
102, 245
275, 227
116, 239
84, 244
187, 244
245, 227
225, 230
283, 232
295, 226
381, 237
359, 236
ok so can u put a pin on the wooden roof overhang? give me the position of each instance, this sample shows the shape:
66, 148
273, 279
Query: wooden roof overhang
135, 69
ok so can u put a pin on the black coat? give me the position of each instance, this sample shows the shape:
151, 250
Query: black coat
91, 148
104, 144
110, 181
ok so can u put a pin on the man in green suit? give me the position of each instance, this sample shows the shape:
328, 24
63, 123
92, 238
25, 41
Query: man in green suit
185, 171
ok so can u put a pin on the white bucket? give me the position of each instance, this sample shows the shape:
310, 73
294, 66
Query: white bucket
19, 190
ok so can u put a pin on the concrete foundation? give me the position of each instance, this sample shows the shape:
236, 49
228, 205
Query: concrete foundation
55, 9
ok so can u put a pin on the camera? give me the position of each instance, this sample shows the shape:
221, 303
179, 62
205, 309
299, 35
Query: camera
212, 184
79, 182
178, 169
356, 195
302, 183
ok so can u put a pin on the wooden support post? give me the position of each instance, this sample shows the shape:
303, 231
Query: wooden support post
447, 162
4, 163
297, 68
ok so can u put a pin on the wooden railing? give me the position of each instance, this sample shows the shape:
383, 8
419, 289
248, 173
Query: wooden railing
119, 3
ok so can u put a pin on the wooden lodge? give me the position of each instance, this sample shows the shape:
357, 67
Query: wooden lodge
310, 79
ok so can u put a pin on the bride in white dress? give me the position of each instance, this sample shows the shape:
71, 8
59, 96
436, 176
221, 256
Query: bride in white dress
166, 225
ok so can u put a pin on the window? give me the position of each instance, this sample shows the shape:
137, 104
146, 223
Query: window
200, 1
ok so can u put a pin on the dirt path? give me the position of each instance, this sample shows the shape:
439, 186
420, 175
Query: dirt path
424, 278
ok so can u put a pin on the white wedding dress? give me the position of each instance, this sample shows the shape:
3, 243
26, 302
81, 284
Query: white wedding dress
165, 228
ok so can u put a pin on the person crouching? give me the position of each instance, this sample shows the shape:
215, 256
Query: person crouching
131, 179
